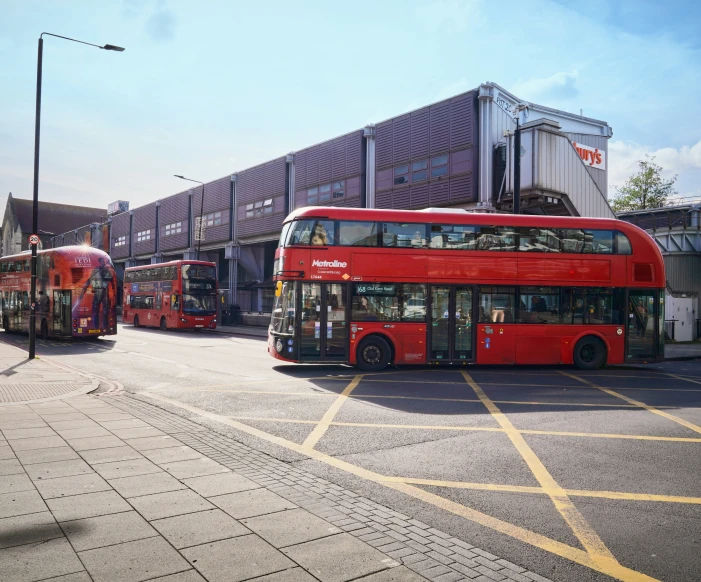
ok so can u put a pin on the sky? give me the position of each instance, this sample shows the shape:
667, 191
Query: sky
212, 87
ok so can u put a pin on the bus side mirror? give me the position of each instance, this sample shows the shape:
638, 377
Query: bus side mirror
278, 289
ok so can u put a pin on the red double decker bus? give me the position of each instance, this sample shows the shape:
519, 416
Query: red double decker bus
174, 295
374, 287
76, 293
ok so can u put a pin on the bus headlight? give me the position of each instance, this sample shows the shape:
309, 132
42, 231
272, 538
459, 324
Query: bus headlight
279, 346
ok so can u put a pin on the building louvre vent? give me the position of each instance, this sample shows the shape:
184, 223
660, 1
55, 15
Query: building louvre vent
76, 275
642, 272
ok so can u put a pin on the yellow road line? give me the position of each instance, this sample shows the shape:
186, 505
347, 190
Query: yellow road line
565, 386
685, 378
609, 567
330, 414
476, 429
624, 495
579, 525
653, 409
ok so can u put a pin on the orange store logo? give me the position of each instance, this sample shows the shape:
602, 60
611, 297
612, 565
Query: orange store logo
592, 157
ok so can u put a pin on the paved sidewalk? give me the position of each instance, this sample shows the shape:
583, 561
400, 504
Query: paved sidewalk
113, 488
683, 351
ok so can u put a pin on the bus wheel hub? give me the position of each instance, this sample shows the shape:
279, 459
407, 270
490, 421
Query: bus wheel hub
372, 354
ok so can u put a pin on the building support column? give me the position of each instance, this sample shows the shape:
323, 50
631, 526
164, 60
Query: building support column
486, 150
370, 165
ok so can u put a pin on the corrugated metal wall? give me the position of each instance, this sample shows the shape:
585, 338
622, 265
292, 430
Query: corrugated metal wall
339, 159
217, 198
120, 227
174, 209
683, 272
446, 127
144, 219
259, 184
601, 143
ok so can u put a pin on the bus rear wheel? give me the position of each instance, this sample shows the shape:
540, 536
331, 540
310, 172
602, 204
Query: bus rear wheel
164, 324
136, 321
373, 354
589, 353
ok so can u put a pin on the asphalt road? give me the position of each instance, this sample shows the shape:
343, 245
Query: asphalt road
570, 464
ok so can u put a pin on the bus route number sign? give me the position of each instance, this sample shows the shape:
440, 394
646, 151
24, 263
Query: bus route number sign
375, 289
33, 239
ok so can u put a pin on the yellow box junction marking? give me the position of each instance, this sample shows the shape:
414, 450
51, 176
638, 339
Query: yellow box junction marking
653, 409
325, 422
606, 566
579, 525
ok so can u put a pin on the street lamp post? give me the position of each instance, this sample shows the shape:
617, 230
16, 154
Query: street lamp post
517, 155
199, 240
35, 202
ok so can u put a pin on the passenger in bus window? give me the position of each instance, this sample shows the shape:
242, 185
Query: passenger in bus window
320, 236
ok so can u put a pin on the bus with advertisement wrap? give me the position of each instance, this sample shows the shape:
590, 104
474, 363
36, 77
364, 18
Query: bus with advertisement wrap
76, 293
174, 295
379, 287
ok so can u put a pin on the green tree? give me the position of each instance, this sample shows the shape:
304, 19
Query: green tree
644, 189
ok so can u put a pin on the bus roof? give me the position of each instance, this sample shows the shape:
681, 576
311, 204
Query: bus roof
67, 251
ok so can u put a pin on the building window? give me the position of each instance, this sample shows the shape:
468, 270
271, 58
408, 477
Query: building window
212, 219
144, 235
325, 193
268, 206
120, 241
419, 170
259, 208
313, 196
175, 228
339, 190
439, 166
401, 174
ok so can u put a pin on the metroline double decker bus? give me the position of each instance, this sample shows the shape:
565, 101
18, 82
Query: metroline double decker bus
76, 293
374, 287
174, 295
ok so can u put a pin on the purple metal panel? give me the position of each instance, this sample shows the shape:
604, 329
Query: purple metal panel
353, 187
338, 158
384, 179
440, 127
401, 148
219, 233
439, 193
461, 189
120, 227
325, 161
275, 177
174, 209
268, 225
419, 196
461, 162
300, 198
313, 166
419, 133
301, 169
354, 153
144, 219
278, 204
463, 125
383, 144
400, 198
383, 199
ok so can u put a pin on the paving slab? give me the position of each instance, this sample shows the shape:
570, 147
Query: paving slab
25, 433
287, 528
130, 423
292, 575
189, 576
101, 442
338, 558
83, 432
137, 432
87, 505
37, 443
35, 422
170, 454
15, 482
398, 574
133, 561
10, 467
194, 468
121, 453
107, 416
77, 577
47, 455
39, 561
157, 442
162, 505
220, 484
236, 559
57, 417
130, 468
107, 530
73, 485
53, 469
59, 425
21, 503
28, 529
146, 484
251, 503
194, 529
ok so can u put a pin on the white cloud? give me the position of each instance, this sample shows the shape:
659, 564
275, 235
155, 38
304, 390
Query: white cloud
560, 85
684, 162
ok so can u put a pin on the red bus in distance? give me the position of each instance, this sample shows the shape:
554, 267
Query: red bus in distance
76, 293
174, 295
374, 287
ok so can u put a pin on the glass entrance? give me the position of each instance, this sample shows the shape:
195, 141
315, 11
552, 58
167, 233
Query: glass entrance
323, 323
642, 325
451, 323
62, 313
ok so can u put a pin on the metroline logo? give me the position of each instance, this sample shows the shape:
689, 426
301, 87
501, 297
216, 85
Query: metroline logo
592, 156
318, 263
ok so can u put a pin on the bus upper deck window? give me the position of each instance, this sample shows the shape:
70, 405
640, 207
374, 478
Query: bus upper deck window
623, 244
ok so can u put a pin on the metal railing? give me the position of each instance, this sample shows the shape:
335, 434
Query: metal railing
669, 325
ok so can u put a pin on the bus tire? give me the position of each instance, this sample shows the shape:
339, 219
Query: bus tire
164, 324
589, 353
136, 321
373, 354
44, 330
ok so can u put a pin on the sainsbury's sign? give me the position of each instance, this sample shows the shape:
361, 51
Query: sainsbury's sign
593, 157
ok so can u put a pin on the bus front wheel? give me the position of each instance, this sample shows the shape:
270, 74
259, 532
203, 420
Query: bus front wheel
164, 324
373, 354
589, 353
136, 321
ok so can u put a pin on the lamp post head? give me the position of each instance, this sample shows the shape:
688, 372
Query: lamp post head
111, 47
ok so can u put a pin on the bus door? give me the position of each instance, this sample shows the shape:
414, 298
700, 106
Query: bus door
642, 329
324, 322
451, 333
62, 313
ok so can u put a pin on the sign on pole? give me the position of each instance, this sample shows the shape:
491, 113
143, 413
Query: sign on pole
33, 239
199, 228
